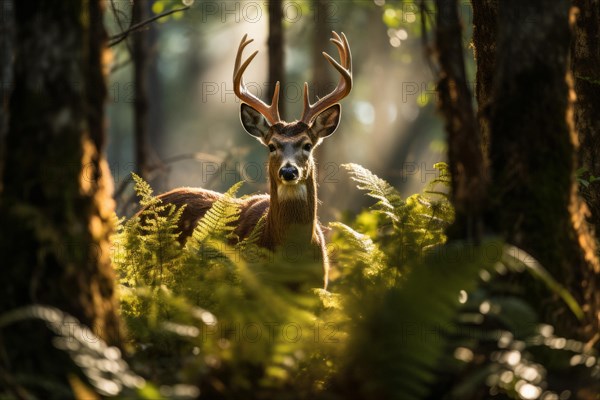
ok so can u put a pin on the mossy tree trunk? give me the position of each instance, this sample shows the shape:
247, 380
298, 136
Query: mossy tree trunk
56, 207
534, 199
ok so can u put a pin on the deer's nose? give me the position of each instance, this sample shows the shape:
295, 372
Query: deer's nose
288, 173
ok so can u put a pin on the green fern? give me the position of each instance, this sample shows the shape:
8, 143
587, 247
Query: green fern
253, 238
146, 248
404, 334
359, 257
214, 271
392, 309
416, 224
102, 365
388, 199
220, 219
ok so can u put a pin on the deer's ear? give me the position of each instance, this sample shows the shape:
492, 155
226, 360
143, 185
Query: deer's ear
254, 123
327, 121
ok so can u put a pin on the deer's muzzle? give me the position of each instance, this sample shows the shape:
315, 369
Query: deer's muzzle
289, 173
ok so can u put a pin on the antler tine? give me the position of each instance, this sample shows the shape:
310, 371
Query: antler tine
270, 112
238, 57
344, 67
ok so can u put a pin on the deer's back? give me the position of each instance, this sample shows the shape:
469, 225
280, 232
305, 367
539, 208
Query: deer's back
198, 201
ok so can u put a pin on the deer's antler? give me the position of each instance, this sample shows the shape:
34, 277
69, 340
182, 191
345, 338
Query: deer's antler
271, 113
344, 85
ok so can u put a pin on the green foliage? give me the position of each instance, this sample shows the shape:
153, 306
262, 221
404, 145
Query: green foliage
239, 286
107, 373
147, 252
445, 324
410, 226
585, 178
404, 334
406, 316
223, 315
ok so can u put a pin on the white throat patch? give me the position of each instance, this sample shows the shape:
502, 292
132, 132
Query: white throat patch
292, 192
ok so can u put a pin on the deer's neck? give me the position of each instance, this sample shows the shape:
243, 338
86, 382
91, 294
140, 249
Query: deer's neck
292, 212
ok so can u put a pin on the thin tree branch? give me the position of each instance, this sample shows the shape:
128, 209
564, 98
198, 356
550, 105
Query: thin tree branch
117, 13
119, 37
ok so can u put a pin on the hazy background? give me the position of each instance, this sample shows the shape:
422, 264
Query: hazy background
389, 123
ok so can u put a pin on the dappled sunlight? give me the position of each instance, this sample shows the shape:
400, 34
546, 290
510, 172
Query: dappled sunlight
197, 59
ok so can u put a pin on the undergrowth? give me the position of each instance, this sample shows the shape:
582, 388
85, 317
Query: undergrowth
406, 315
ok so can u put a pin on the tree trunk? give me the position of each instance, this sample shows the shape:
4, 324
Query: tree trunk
465, 153
586, 77
56, 207
155, 93
6, 66
139, 13
585, 68
485, 32
276, 54
534, 199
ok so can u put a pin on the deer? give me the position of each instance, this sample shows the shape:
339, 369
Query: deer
290, 208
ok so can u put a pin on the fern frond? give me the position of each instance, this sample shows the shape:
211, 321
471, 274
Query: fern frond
144, 191
254, 236
219, 221
99, 362
518, 259
359, 257
366, 250
147, 247
404, 335
389, 199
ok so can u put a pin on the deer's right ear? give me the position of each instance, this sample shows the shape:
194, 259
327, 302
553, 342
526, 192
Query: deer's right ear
254, 123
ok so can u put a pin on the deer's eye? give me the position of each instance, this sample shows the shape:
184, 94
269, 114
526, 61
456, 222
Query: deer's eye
272, 148
307, 147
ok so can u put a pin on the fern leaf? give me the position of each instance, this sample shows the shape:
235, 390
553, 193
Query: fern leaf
219, 221
516, 259
258, 229
144, 191
403, 336
388, 198
363, 250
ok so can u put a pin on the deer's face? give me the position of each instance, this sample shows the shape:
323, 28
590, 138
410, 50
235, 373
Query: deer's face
291, 147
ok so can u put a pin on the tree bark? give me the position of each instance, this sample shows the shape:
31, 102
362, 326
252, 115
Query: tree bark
56, 207
585, 67
276, 54
485, 32
534, 198
465, 154
6, 67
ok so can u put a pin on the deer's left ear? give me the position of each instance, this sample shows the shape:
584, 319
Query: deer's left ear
254, 123
327, 121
